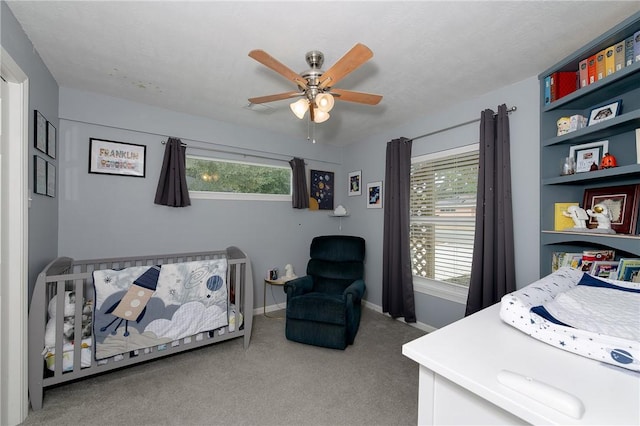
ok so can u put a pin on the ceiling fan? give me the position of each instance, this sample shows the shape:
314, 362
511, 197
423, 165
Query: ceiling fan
315, 86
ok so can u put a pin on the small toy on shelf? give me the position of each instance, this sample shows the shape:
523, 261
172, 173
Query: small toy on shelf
579, 217
608, 161
603, 215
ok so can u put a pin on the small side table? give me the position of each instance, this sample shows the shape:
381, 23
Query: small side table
278, 282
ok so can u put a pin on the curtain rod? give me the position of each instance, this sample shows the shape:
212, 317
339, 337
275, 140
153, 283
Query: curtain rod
204, 142
509, 110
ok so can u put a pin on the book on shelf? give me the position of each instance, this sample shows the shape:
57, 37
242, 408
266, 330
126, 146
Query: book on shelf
636, 47
638, 146
560, 259
584, 75
604, 269
629, 269
600, 65
609, 60
563, 83
628, 50
547, 90
591, 68
591, 256
560, 221
619, 56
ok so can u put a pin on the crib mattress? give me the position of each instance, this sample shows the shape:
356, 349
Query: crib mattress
575, 312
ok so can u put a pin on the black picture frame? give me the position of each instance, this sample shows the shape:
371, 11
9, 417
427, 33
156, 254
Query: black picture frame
39, 175
40, 131
51, 140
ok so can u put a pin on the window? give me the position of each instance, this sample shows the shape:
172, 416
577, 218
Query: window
226, 179
442, 227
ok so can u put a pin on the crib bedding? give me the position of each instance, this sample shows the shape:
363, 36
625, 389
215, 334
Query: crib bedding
86, 356
573, 311
141, 307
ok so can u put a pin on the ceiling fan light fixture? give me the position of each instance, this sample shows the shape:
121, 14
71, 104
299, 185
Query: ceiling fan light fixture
320, 116
299, 108
324, 102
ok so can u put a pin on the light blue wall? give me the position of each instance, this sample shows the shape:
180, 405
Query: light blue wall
109, 216
43, 96
369, 156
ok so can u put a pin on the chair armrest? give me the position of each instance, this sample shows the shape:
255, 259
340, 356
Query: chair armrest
356, 290
298, 286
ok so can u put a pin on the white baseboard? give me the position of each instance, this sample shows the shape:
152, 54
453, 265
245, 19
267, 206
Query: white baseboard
419, 325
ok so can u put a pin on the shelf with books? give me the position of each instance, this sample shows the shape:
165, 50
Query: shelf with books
610, 86
616, 135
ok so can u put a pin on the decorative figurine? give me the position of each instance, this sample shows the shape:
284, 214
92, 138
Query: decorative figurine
608, 161
579, 217
288, 272
563, 124
593, 167
603, 215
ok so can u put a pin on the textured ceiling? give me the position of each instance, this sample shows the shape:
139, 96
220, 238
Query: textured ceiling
192, 56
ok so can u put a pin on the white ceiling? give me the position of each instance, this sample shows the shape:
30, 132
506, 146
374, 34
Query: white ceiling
192, 56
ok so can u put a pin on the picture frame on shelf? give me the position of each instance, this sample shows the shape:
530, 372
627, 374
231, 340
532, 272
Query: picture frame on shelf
51, 140
374, 195
587, 154
605, 112
355, 183
40, 128
117, 158
622, 202
39, 175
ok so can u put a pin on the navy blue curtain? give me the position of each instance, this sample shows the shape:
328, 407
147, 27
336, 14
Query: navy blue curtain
397, 280
300, 199
493, 268
172, 188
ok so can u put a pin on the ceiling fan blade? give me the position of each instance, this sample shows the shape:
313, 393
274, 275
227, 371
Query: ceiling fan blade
359, 97
358, 55
276, 97
270, 62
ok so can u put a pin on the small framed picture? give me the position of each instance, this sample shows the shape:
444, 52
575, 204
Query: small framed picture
355, 183
51, 179
588, 154
39, 175
374, 195
117, 158
51, 140
40, 135
605, 112
622, 202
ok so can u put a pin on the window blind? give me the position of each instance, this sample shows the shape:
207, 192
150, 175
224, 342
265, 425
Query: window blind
443, 211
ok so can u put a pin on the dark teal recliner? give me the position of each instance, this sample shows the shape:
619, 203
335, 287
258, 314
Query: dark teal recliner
323, 307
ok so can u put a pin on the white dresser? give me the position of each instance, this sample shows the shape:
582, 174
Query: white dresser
460, 364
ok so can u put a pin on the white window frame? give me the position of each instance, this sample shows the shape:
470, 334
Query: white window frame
443, 290
210, 195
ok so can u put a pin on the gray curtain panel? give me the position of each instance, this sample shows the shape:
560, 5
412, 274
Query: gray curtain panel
493, 269
172, 188
397, 282
300, 199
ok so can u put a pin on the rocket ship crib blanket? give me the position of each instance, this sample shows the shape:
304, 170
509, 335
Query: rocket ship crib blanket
576, 312
141, 306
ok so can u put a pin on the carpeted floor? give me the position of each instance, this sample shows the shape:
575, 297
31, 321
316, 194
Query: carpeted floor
273, 382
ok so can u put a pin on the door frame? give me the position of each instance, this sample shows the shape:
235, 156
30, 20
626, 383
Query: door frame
14, 197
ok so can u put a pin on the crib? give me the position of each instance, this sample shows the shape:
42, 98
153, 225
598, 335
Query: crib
64, 275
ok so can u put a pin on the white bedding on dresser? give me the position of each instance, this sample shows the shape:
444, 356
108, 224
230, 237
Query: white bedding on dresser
599, 310
598, 319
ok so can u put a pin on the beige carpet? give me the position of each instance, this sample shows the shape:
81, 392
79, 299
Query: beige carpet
273, 382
